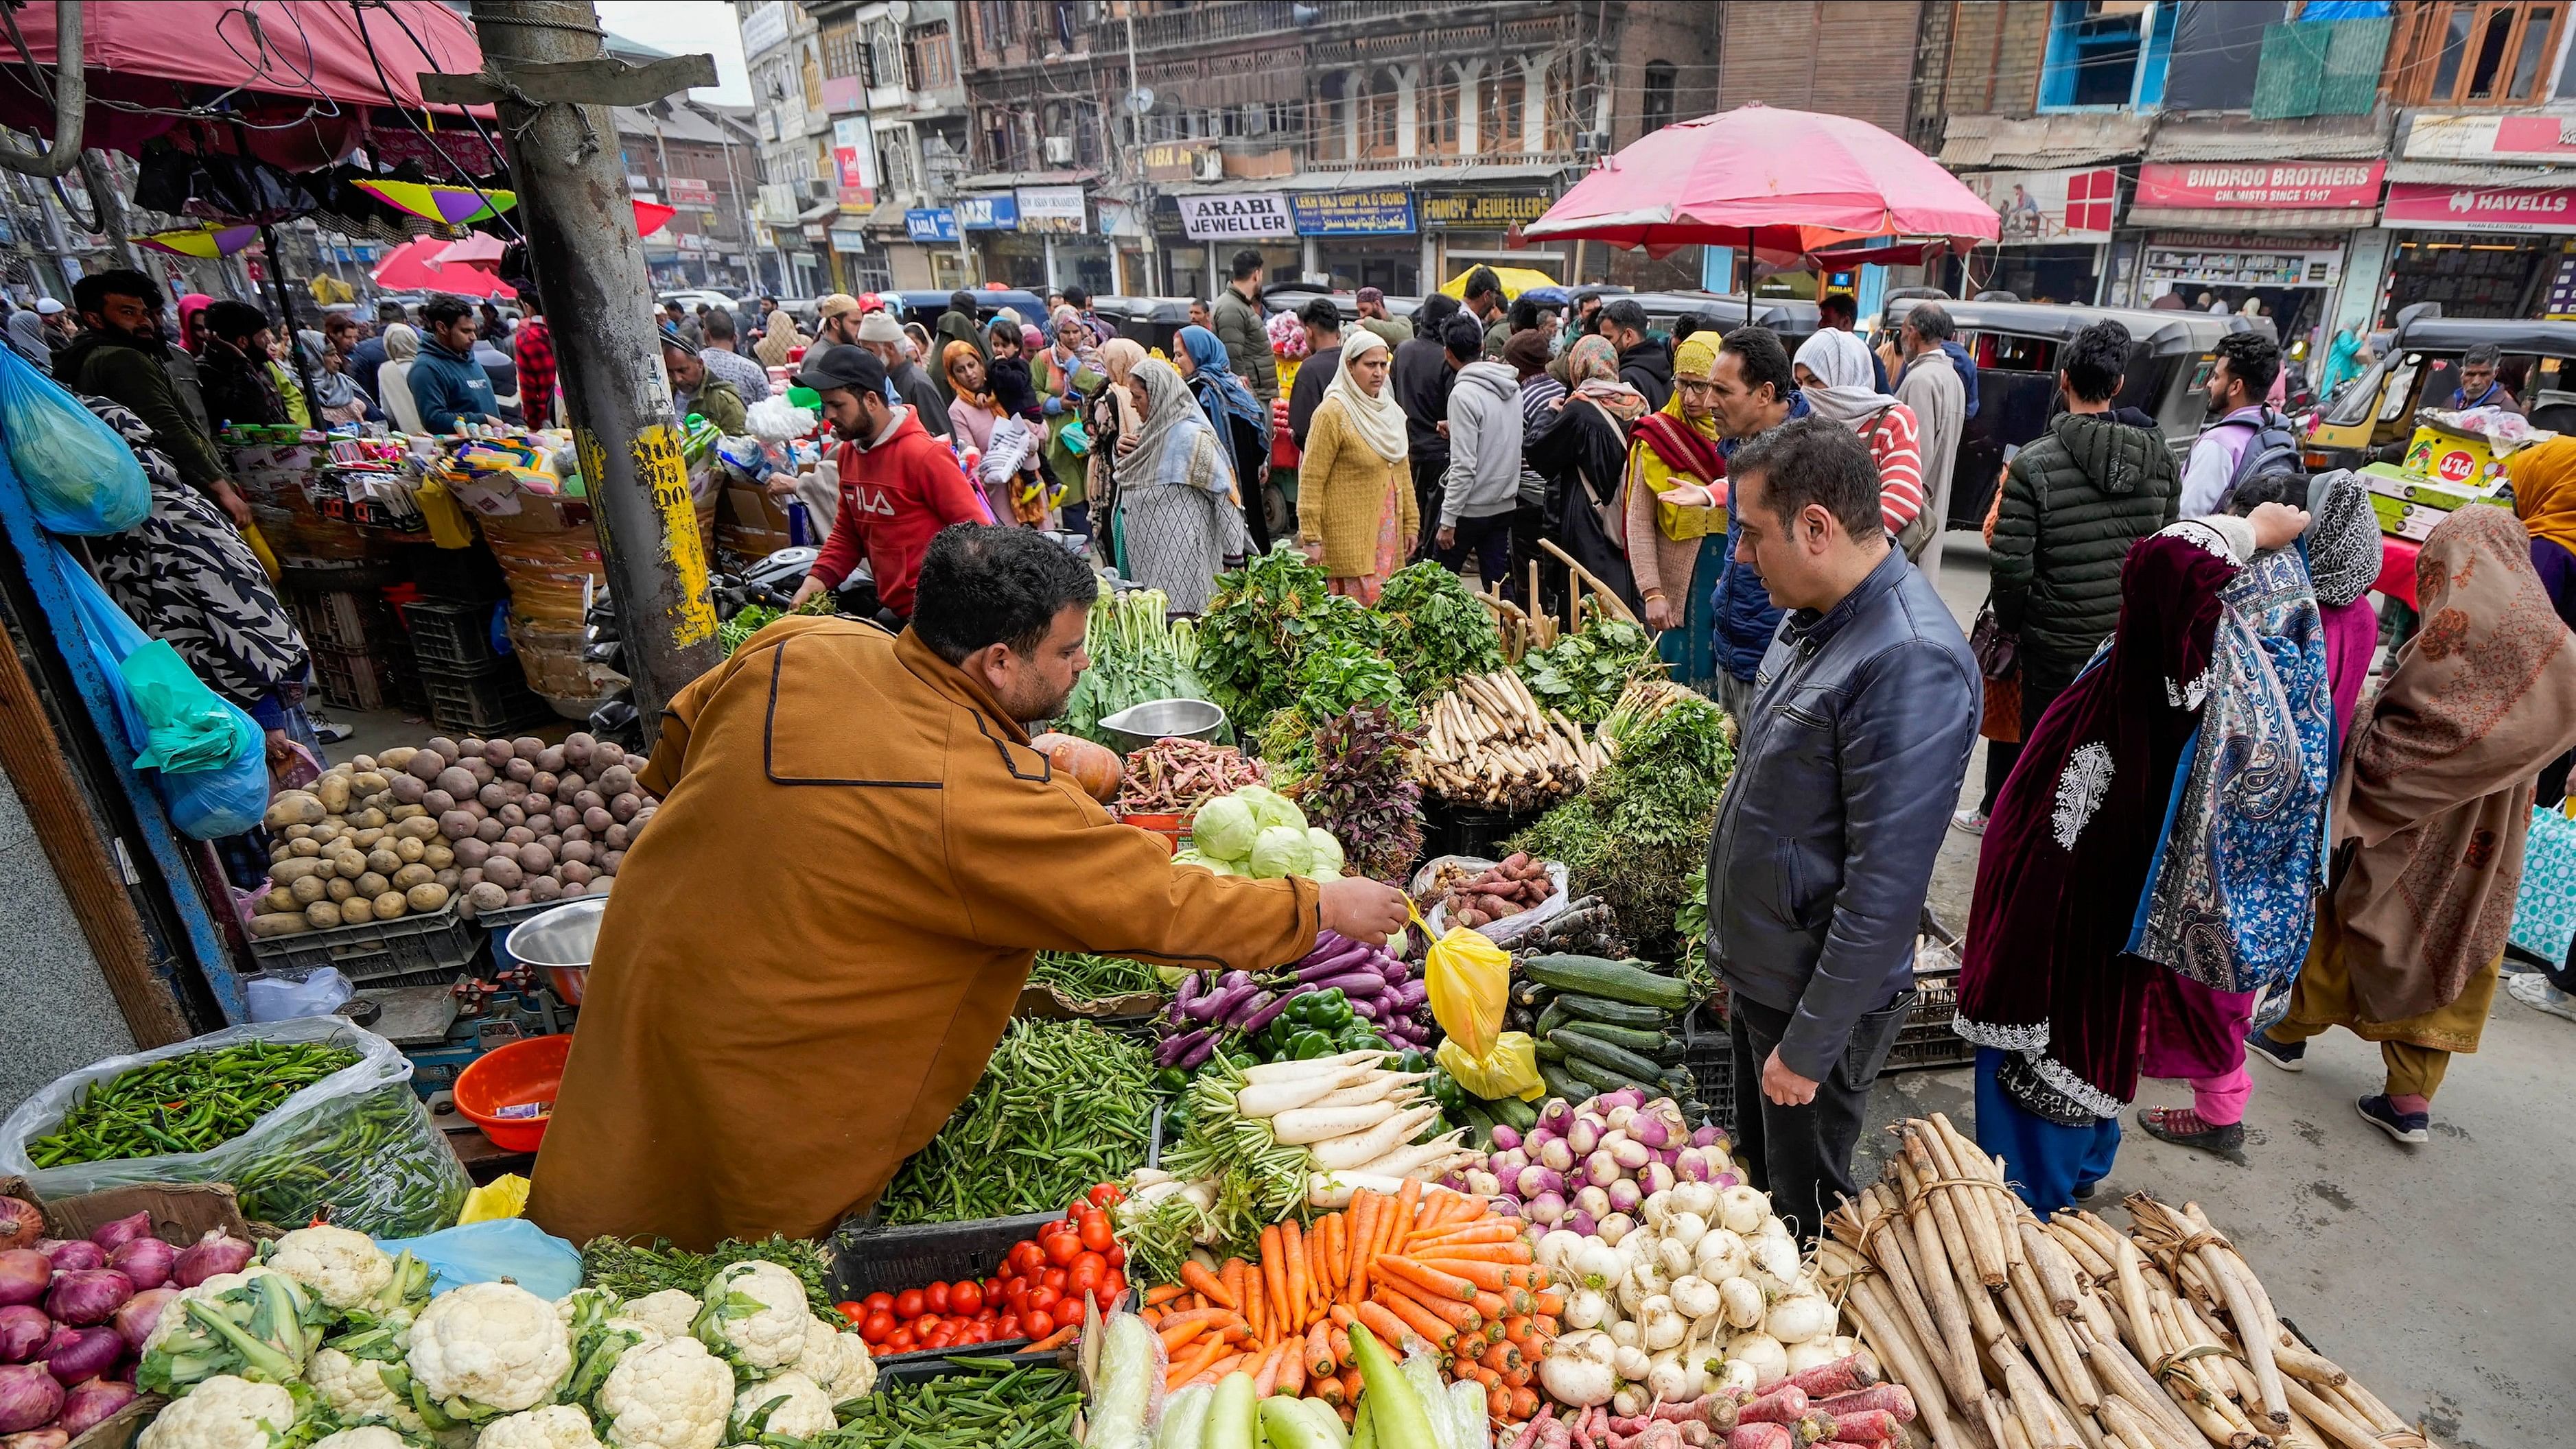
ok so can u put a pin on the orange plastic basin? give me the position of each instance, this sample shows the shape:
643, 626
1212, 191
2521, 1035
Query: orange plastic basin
525, 1071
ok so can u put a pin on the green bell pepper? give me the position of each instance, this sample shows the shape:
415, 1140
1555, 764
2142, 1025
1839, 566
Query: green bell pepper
1305, 1046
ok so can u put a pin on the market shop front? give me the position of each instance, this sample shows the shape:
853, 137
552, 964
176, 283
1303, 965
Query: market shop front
1474, 224
2273, 234
2480, 251
2056, 231
1204, 232
1362, 238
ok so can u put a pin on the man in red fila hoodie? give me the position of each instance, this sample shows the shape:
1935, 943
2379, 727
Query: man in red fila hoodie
899, 484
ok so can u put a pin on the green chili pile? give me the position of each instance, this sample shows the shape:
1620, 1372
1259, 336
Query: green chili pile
185, 1103
633, 1269
1062, 1105
1085, 977
990, 1404
375, 1161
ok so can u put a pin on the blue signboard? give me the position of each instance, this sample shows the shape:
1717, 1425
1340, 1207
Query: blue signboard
1386, 211
930, 224
998, 212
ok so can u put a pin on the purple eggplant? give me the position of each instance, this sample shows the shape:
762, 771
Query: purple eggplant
1263, 1017
1410, 996
1222, 1007
1333, 966
1197, 1056
1235, 1016
1363, 1008
1175, 1047
1191, 985
1355, 985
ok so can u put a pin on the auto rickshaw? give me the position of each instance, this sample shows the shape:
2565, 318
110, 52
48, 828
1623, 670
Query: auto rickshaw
2015, 345
1152, 322
927, 307
2372, 417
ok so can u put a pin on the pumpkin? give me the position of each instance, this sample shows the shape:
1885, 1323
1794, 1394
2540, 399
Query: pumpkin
1096, 768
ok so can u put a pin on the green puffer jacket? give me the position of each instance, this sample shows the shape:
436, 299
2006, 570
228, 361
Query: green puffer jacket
2074, 500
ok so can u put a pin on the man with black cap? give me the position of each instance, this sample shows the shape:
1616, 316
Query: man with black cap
899, 485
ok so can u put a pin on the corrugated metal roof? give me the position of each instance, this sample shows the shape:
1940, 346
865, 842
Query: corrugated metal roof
2079, 138
2242, 138
2470, 173
2229, 218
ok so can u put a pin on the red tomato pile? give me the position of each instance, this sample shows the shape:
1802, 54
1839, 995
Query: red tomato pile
1038, 1290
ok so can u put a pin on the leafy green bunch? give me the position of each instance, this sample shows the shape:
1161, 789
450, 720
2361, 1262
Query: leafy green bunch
1266, 617
1362, 790
1137, 655
1436, 629
1331, 680
1584, 672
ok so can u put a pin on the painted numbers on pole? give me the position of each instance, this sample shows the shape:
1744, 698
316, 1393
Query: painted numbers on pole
659, 467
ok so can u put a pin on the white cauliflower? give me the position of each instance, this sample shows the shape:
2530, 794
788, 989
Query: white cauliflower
755, 1316
489, 1346
343, 1268
837, 1362
354, 1389
365, 1436
788, 1403
668, 1313
668, 1395
224, 1412
174, 1313
556, 1426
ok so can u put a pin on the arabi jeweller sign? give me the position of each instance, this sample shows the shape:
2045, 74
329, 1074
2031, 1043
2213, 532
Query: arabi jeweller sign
2423, 206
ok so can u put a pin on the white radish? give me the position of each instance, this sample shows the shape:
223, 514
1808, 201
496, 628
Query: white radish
1335, 1189
1426, 1161
1355, 1151
1269, 1099
1318, 1124
1291, 1071
1388, 1086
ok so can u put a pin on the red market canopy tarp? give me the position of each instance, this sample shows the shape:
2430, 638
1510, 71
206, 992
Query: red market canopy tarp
414, 267
279, 59
1778, 180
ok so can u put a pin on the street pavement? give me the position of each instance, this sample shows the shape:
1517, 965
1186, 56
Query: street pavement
2431, 1272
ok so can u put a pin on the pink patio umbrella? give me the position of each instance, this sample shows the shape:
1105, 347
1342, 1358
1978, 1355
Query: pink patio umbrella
477, 249
413, 267
1768, 180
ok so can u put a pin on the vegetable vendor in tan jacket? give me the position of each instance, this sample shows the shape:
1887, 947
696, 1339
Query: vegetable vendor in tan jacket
815, 947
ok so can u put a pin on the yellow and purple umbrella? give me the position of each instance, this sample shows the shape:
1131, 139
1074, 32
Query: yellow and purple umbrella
202, 242
453, 205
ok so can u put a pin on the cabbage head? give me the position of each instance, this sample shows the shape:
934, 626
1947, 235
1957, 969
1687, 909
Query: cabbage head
1324, 852
1279, 851
1224, 828
1273, 808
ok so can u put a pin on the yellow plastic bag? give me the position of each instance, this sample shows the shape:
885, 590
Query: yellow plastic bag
1509, 1070
1468, 978
505, 1196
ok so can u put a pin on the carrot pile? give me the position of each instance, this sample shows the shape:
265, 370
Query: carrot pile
1423, 1270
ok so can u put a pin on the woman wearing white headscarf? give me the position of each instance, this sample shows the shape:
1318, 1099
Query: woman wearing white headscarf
1355, 504
393, 380
1833, 372
1178, 515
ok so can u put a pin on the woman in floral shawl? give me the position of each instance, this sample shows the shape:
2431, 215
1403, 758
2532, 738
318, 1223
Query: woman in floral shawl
2047, 990
2430, 816
1179, 517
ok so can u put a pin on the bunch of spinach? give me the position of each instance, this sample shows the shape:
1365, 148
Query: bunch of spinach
1331, 679
1266, 617
1584, 672
1436, 629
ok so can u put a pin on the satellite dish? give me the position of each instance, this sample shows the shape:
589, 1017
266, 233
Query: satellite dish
898, 11
1139, 100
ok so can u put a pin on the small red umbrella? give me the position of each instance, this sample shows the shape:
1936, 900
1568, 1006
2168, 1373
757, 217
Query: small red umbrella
414, 267
478, 249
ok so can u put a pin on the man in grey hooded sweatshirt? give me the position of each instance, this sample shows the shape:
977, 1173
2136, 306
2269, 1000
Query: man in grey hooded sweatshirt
1481, 488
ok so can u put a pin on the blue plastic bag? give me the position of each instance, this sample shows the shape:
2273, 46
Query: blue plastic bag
511, 1248
81, 477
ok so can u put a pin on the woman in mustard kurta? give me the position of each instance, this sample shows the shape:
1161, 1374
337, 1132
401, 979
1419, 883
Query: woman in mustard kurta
1355, 504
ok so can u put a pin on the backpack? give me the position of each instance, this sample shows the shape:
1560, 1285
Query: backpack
2274, 448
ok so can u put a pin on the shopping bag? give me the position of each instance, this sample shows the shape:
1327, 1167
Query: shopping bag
2544, 911
1467, 977
191, 728
81, 478
508, 1249
1509, 1070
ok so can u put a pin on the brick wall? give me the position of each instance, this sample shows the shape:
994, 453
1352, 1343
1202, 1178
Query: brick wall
1996, 49
1848, 57
1684, 37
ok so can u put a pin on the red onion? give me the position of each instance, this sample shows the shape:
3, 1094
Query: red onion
22, 1223
24, 1273
36, 1439
67, 1254
28, 1397
74, 1354
88, 1296
111, 1236
23, 1330
216, 1252
147, 1261
90, 1404
135, 1321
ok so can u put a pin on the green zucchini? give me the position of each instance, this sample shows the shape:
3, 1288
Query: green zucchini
1643, 1043
1532, 994
1600, 1078
1550, 1019
1560, 1083
1609, 1056
1479, 1122
1549, 1051
1514, 1113
1627, 981
1614, 1013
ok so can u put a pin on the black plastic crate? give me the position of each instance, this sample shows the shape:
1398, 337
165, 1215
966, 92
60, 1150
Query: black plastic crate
417, 950
1708, 1054
866, 1258
451, 634
486, 703
1458, 830
456, 575
350, 620
1926, 1040
355, 679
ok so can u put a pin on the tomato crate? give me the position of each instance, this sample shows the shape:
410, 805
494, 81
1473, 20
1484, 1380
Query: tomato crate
867, 1258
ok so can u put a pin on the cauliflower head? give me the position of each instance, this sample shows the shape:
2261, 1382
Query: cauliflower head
755, 1316
342, 1267
788, 1403
489, 1346
365, 1436
556, 1426
668, 1395
354, 1389
838, 1362
224, 1412
668, 1313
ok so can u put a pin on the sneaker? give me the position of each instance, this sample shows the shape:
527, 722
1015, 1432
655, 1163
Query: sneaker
2085, 1191
328, 731
2182, 1127
1971, 821
2289, 1056
2533, 990
2403, 1126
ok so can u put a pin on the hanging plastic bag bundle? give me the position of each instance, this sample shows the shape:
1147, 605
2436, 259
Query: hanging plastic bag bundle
80, 476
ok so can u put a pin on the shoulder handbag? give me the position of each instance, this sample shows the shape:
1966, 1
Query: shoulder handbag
2544, 909
1998, 653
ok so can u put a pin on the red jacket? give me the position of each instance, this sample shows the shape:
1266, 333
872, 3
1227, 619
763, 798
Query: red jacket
894, 496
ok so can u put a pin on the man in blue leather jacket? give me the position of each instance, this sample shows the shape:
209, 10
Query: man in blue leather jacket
1848, 761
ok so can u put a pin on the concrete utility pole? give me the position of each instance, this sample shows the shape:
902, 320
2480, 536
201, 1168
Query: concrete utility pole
554, 82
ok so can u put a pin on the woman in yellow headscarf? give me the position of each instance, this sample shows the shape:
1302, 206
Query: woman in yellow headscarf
2544, 498
1672, 544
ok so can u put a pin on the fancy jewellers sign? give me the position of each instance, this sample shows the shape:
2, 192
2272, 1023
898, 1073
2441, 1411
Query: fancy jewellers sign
2307, 185
2420, 206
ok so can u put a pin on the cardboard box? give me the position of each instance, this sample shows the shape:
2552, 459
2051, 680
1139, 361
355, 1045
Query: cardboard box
751, 523
2464, 463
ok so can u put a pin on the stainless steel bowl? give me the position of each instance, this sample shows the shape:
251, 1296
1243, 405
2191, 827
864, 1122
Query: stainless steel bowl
560, 941
1160, 719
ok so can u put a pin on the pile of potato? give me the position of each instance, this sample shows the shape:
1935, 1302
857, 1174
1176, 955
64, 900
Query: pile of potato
480, 823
